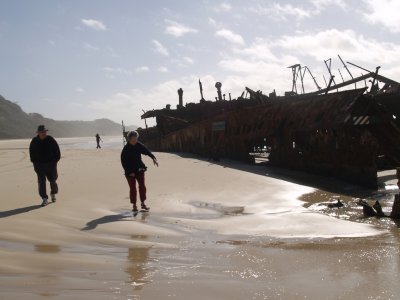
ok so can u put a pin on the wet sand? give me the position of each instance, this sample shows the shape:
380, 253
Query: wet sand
215, 231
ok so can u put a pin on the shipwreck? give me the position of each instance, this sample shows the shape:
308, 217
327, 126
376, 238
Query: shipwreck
348, 129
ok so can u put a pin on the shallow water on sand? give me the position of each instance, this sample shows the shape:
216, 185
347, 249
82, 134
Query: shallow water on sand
320, 200
206, 265
212, 266
244, 236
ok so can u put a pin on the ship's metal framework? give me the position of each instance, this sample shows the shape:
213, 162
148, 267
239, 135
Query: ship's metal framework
346, 134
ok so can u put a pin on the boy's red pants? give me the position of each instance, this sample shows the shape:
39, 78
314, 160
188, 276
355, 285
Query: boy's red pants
139, 177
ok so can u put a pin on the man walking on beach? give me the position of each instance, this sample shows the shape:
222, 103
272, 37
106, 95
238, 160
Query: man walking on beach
131, 159
45, 154
98, 139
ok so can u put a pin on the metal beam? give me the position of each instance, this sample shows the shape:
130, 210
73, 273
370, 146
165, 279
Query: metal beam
354, 80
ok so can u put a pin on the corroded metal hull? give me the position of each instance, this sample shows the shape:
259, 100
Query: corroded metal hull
339, 134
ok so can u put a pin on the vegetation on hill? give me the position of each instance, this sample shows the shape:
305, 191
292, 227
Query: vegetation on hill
15, 123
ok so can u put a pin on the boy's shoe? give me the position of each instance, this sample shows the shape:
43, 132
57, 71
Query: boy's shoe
45, 202
145, 208
134, 210
53, 198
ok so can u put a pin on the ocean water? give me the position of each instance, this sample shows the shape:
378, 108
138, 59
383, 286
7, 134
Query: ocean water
84, 143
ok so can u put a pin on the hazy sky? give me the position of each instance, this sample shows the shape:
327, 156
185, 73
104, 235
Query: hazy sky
96, 58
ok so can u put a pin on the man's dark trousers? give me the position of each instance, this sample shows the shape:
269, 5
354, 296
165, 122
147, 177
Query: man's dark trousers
49, 171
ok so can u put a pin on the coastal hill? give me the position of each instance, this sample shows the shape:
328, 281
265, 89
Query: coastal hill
15, 124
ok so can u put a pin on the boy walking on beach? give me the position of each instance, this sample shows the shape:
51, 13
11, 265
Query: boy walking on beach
45, 154
131, 159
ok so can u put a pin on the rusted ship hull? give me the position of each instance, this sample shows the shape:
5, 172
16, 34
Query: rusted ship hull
339, 134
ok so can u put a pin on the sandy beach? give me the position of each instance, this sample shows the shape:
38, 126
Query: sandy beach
215, 231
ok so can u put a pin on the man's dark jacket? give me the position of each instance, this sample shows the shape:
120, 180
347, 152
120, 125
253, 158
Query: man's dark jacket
131, 157
44, 151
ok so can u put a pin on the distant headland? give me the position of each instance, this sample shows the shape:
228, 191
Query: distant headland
16, 124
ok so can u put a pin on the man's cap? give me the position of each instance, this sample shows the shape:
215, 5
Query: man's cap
41, 128
132, 134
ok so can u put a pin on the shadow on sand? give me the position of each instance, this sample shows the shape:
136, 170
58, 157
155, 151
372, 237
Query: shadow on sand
104, 220
17, 211
321, 182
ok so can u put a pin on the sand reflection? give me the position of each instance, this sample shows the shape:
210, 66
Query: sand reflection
138, 269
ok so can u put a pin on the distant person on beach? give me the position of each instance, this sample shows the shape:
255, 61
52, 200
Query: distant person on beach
45, 154
98, 140
131, 159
